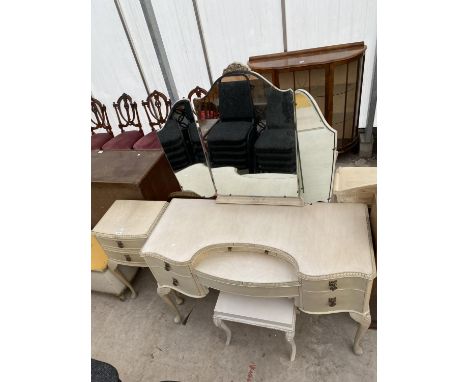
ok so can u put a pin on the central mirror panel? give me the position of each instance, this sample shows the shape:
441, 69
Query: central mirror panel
247, 127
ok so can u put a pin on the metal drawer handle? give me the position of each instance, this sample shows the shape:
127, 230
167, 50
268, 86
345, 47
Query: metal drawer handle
128, 258
332, 301
120, 244
175, 282
167, 266
332, 284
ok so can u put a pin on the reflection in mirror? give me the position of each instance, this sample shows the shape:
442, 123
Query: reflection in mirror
248, 130
317, 147
181, 143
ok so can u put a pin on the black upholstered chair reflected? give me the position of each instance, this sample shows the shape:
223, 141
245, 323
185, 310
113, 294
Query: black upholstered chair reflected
173, 135
231, 139
275, 148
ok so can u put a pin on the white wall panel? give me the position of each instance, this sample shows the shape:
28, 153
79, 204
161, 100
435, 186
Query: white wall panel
178, 26
236, 30
314, 23
113, 68
143, 45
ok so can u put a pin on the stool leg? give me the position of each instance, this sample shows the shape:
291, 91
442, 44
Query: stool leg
220, 324
290, 339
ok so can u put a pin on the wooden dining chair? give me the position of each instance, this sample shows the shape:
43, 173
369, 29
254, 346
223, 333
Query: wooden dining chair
157, 107
127, 115
100, 121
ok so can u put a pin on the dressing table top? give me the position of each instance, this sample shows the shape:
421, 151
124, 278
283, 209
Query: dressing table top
321, 239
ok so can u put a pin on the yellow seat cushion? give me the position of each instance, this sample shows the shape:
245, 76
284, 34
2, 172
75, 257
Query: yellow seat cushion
98, 256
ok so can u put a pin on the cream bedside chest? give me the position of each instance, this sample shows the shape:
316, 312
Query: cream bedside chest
123, 230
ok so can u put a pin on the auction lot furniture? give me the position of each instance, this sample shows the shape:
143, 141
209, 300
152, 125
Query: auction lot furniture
103, 278
355, 185
320, 254
271, 313
129, 175
331, 74
123, 230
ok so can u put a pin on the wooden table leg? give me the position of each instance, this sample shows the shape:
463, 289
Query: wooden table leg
290, 339
164, 292
364, 321
220, 324
113, 267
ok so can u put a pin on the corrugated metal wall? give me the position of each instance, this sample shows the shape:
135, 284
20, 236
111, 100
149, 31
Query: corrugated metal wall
233, 31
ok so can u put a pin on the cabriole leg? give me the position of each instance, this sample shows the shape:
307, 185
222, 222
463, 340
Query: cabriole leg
121, 277
164, 292
290, 339
364, 321
179, 300
220, 324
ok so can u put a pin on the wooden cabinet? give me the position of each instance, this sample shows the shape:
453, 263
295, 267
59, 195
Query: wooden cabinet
129, 175
331, 74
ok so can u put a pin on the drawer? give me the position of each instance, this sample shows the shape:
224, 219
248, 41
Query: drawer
249, 290
184, 284
135, 244
181, 270
339, 300
335, 284
127, 258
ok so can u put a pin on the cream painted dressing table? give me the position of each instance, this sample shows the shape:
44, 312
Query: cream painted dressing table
321, 255
268, 233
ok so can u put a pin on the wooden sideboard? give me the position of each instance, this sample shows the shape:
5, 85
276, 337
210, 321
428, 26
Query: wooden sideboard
320, 255
332, 75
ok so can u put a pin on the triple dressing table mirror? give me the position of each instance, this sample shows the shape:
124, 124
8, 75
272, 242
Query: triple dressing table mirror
271, 232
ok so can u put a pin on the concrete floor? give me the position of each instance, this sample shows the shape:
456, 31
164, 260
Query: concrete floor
140, 339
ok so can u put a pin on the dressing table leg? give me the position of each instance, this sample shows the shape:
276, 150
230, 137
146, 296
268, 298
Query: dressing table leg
164, 292
364, 321
290, 339
220, 324
179, 300
113, 267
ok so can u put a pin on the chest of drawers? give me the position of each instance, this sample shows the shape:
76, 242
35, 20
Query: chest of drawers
124, 228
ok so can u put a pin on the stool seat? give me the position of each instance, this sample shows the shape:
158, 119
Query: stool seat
271, 313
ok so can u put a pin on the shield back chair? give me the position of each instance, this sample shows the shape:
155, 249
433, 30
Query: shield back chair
230, 140
157, 107
275, 148
100, 121
127, 115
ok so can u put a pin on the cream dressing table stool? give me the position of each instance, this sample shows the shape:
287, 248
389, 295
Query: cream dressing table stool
271, 313
123, 230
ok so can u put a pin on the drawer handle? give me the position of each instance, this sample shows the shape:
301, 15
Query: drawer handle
167, 266
332, 301
332, 284
128, 258
120, 244
175, 282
